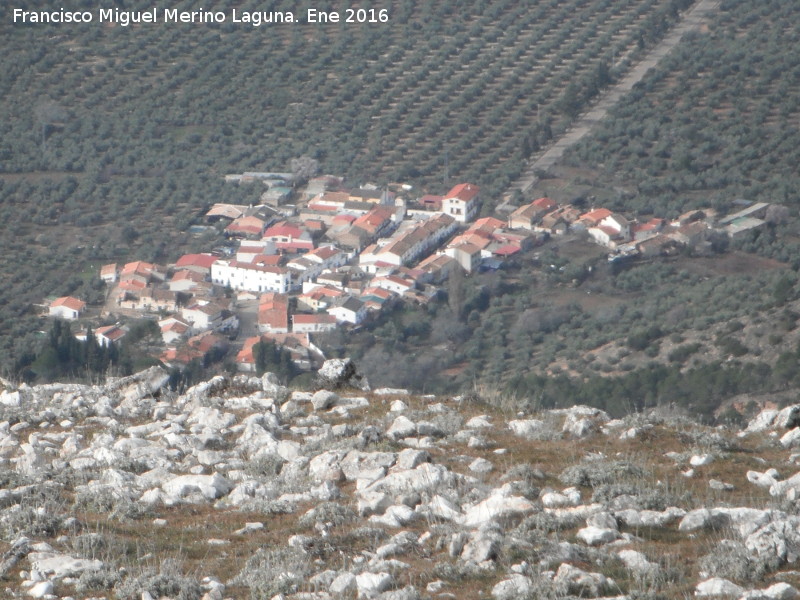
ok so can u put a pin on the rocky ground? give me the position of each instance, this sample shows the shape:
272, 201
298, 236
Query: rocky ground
241, 488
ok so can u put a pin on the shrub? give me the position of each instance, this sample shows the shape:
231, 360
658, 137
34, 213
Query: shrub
266, 466
99, 580
30, 521
107, 501
168, 581
274, 571
682, 353
597, 472
331, 513
731, 560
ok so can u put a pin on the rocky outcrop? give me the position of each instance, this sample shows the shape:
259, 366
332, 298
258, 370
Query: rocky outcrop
356, 491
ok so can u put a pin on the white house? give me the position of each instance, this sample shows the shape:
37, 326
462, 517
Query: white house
203, 316
330, 257
173, 330
462, 202
393, 283
109, 273
67, 307
467, 255
313, 323
351, 310
619, 223
110, 334
251, 277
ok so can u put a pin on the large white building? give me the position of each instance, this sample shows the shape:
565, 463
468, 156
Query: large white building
251, 277
408, 245
462, 202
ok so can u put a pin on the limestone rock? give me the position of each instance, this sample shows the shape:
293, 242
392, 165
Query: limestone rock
499, 507
787, 418
482, 546
781, 591
323, 400
791, 439
42, 589
370, 585
527, 428
398, 515
327, 466
271, 386
344, 584
341, 372
649, 518
401, 427
637, 562
411, 458
581, 583
481, 465
703, 518
568, 497
701, 460
716, 586
209, 487
60, 565
517, 586
762, 421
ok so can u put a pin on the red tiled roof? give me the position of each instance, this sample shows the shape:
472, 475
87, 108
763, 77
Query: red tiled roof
140, 267
309, 319
187, 274
175, 326
378, 292
275, 317
463, 191
249, 225
196, 260
487, 223
111, 332
325, 252
322, 207
69, 302
314, 224
595, 216
507, 250
273, 260
133, 283
544, 203
283, 230
229, 211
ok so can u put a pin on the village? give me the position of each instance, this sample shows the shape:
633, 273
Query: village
316, 257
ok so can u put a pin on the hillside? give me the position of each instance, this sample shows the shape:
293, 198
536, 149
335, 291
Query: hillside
716, 120
115, 138
241, 488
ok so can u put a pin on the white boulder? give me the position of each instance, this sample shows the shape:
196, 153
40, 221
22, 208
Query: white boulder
716, 586
209, 487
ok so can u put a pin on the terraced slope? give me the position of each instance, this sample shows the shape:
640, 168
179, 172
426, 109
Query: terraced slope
113, 139
717, 120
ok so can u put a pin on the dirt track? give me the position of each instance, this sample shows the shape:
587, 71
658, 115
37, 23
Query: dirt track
692, 19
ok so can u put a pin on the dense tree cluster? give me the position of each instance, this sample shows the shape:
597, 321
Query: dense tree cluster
63, 356
270, 357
